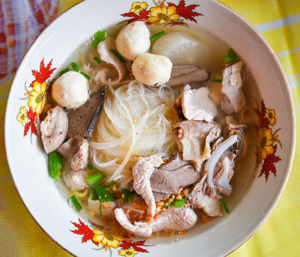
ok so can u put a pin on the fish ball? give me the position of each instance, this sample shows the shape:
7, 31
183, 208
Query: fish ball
133, 40
152, 69
70, 90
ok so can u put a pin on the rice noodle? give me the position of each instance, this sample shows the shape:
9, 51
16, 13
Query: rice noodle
135, 121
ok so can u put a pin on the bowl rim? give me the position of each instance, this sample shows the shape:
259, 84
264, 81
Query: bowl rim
289, 105
292, 110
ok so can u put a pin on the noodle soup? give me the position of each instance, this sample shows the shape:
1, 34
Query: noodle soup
152, 127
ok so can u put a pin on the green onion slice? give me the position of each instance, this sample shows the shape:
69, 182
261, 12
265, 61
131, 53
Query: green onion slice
54, 164
75, 202
111, 184
179, 203
176, 203
225, 206
103, 194
128, 195
94, 178
75, 66
89, 167
94, 194
86, 76
231, 56
64, 71
216, 80
157, 35
168, 204
100, 206
98, 37
118, 55
97, 59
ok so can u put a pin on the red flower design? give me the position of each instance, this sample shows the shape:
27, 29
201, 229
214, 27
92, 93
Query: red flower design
44, 73
31, 124
83, 229
142, 16
268, 164
135, 245
186, 12
264, 122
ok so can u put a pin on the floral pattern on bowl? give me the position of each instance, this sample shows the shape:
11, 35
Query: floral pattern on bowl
109, 241
162, 13
267, 141
36, 96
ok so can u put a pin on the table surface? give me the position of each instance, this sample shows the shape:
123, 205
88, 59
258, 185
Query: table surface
279, 22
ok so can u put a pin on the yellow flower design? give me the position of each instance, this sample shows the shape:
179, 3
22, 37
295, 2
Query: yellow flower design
106, 239
128, 253
266, 142
271, 116
37, 98
138, 6
22, 116
163, 14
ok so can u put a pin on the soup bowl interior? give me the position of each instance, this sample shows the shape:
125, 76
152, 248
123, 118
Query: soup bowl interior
254, 196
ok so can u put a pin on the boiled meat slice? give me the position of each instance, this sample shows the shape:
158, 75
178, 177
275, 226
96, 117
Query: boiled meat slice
198, 198
197, 105
178, 219
194, 139
233, 98
142, 172
143, 230
220, 150
54, 128
69, 148
114, 72
185, 74
160, 196
224, 175
81, 158
75, 180
173, 176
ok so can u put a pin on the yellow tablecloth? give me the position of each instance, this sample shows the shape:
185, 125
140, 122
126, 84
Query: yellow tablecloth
279, 23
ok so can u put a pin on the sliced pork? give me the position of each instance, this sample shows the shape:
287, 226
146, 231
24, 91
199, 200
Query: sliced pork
197, 105
143, 230
233, 98
178, 219
142, 172
194, 139
224, 175
75, 180
54, 128
160, 196
199, 199
81, 158
173, 176
185, 74
69, 148
112, 73
233, 128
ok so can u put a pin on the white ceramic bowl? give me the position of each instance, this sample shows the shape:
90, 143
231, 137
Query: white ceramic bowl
28, 162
